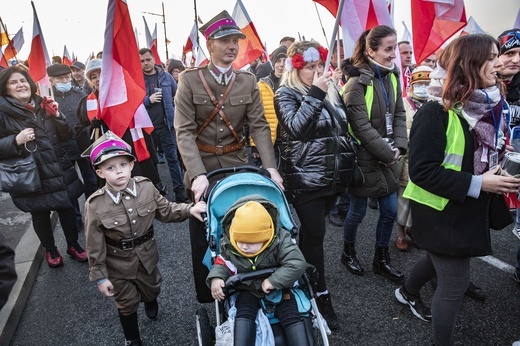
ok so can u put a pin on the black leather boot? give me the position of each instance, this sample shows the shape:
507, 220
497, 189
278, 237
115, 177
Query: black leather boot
296, 335
245, 332
130, 329
382, 265
151, 309
349, 259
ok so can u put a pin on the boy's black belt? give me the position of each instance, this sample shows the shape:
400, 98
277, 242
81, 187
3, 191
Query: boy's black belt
130, 243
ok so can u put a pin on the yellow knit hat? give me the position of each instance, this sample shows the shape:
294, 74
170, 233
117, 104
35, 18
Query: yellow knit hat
251, 224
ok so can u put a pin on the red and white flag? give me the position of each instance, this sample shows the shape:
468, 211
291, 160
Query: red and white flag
151, 42
201, 58
122, 89
358, 16
251, 47
67, 60
472, 28
39, 57
433, 23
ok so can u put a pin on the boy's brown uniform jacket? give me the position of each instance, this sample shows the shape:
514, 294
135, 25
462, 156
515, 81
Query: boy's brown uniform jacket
243, 105
132, 216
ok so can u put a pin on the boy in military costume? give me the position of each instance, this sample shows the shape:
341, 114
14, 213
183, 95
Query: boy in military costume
122, 251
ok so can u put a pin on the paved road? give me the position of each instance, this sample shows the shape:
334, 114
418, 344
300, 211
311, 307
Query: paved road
64, 308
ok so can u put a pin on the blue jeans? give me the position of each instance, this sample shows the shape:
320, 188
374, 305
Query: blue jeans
342, 205
385, 223
517, 222
169, 147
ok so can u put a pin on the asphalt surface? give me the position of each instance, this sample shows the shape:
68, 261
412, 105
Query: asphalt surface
64, 308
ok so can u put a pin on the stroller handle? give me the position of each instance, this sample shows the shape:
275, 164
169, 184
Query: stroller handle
245, 168
232, 281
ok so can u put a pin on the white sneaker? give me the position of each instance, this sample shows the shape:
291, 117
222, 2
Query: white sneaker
516, 230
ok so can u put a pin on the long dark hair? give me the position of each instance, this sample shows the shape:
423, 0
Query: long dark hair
373, 39
464, 57
8, 72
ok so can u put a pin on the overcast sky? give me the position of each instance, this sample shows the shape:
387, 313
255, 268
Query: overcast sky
80, 24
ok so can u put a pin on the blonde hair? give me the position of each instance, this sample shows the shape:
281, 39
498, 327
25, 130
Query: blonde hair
291, 79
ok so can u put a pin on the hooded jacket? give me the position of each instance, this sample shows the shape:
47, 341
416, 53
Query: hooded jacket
60, 183
374, 153
282, 253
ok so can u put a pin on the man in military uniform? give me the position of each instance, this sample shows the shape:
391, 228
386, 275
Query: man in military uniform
211, 107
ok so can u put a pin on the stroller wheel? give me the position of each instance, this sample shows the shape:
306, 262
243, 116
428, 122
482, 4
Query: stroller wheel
204, 334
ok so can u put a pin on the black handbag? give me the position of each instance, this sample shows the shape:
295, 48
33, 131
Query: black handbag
19, 175
499, 214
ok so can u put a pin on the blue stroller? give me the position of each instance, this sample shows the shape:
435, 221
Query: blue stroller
246, 181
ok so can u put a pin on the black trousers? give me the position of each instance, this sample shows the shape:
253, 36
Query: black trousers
43, 227
199, 246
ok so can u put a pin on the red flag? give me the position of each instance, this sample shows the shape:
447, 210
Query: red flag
67, 60
191, 42
251, 47
433, 23
38, 57
121, 89
331, 5
151, 42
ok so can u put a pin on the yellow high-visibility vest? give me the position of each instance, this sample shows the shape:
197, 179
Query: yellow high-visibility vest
453, 155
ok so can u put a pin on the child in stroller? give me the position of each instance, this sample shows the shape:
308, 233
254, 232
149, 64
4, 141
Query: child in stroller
251, 240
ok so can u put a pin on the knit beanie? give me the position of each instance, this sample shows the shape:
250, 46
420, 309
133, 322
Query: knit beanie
278, 53
509, 39
251, 224
420, 74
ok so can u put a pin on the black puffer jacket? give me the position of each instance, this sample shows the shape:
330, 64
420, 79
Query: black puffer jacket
317, 153
60, 183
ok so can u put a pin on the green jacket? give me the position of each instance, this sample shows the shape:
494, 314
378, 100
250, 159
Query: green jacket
282, 253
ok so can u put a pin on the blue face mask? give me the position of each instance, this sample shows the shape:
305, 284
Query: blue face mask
63, 87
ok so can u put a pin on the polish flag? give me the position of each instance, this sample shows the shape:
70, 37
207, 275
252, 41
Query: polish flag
201, 59
39, 57
358, 16
67, 60
472, 28
14, 45
3, 60
251, 47
151, 42
122, 89
433, 23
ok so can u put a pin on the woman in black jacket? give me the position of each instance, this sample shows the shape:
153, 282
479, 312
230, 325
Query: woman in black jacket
28, 121
455, 144
317, 153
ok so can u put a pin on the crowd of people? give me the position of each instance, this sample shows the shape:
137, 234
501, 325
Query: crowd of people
426, 153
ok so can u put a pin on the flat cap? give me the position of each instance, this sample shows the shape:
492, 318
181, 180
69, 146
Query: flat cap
58, 70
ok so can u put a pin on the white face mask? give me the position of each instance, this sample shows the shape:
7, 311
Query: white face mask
420, 91
63, 87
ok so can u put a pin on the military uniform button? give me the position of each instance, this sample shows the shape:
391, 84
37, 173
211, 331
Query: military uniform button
130, 210
134, 222
116, 223
127, 197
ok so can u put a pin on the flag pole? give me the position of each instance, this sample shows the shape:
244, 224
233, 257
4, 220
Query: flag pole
334, 33
196, 20
321, 24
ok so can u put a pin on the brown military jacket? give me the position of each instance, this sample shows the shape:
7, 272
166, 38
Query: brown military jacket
131, 216
193, 105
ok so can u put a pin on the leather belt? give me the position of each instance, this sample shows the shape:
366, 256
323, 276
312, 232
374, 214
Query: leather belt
130, 243
220, 149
